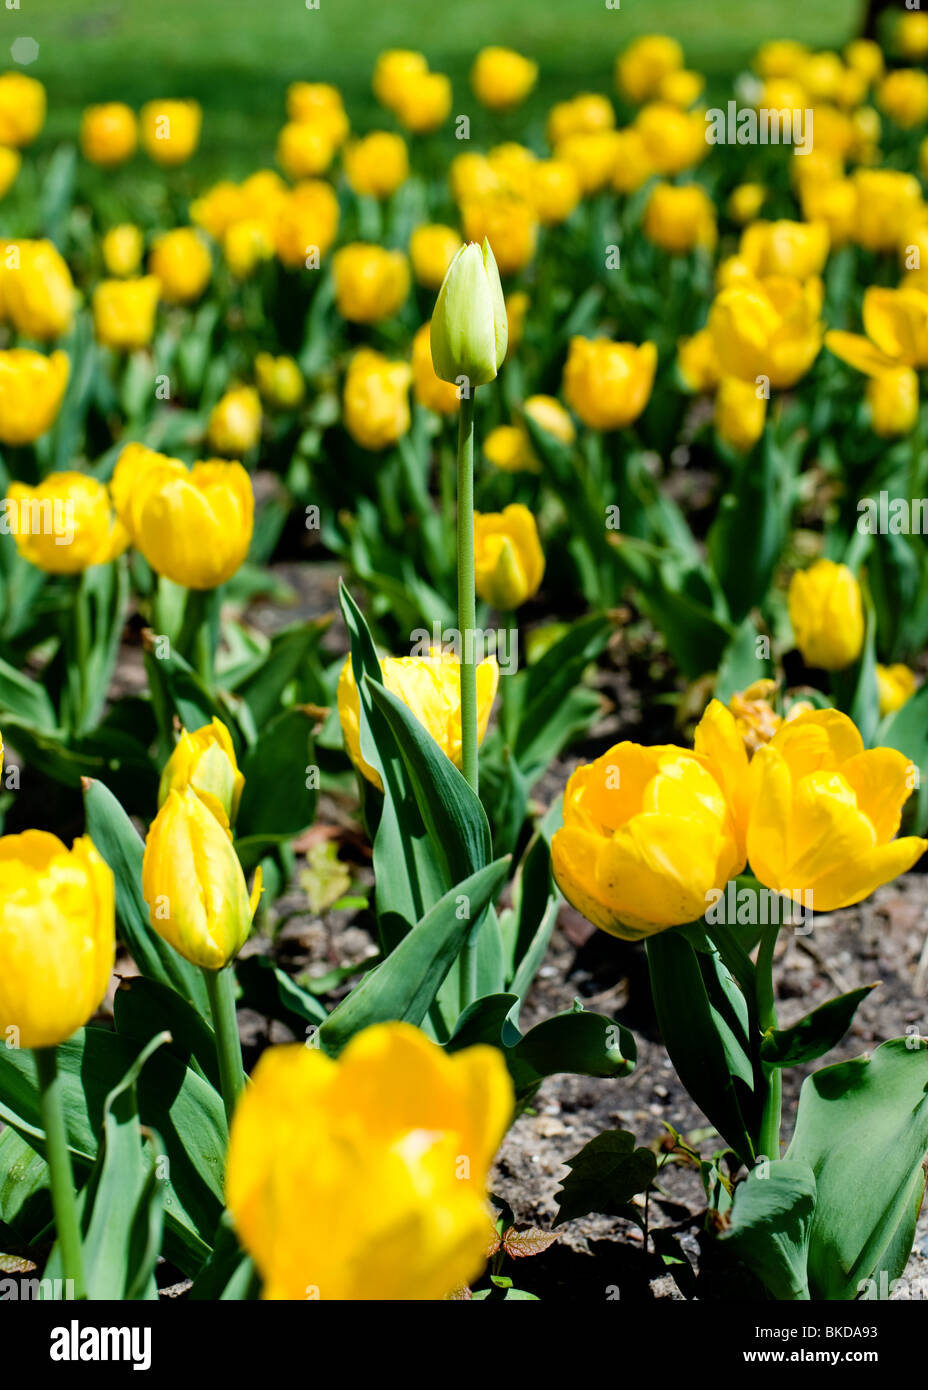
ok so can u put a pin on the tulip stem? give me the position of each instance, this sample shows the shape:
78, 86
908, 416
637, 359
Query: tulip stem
467, 600
769, 1137
195, 641
59, 1167
228, 1043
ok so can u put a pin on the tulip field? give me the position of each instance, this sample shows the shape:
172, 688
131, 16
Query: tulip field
464, 660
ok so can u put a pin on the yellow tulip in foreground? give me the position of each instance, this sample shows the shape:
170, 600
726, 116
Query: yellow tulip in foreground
181, 261
22, 109
234, 427
508, 560
204, 761
608, 384
57, 937
430, 686
649, 832
824, 812
896, 685
365, 1178
193, 527
124, 312
371, 283
32, 388
502, 78
376, 399
66, 524
826, 611
170, 130
109, 133
193, 883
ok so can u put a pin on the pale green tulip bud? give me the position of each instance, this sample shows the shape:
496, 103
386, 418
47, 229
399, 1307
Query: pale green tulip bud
470, 331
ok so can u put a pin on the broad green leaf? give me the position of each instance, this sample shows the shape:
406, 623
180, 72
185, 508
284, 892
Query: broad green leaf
771, 1223
604, 1176
143, 1008
740, 665
279, 796
814, 1035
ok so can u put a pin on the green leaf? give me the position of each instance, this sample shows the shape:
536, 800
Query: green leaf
740, 665
862, 1127
289, 650
814, 1035
604, 1176
143, 1008
771, 1223
279, 796
228, 1273
542, 710
751, 526
270, 991
25, 1198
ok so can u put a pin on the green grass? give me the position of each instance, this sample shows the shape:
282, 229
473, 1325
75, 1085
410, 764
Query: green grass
237, 56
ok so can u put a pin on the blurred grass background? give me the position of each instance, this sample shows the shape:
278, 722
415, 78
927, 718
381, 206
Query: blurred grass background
237, 56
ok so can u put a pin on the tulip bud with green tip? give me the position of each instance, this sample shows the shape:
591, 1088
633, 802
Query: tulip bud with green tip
470, 331
204, 761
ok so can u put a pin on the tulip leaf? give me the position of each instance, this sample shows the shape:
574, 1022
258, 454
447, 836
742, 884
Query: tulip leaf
270, 991
751, 526
177, 691
405, 984
228, 1273
604, 1176
117, 841
264, 689
528, 925
184, 1109
143, 1008
855, 689
740, 665
814, 1035
279, 796
771, 1224
862, 1127
25, 1196
25, 699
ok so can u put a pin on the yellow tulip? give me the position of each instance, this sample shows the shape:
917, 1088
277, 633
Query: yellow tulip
865, 57
234, 427
581, 115
22, 109
10, 165
649, 833
780, 58
192, 527
832, 202
37, 290
768, 328
217, 208
306, 222
682, 88
633, 165
193, 883
109, 133
122, 248
553, 190
65, 524
246, 244
794, 249
509, 224
428, 388
697, 363
32, 388
424, 102
641, 68
903, 95
321, 105
509, 447
893, 400
371, 283
430, 687
888, 202
674, 140
304, 149
896, 684
911, 35
57, 937
181, 261
280, 381
827, 615
508, 559
678, 219
593, 156
376, 400
170, 130
824, 812
745, 202
394, 68
432, 248
896, 323
502, 78
204, 761
608, 384
376, 165
365, 1178
740, 413
821, 74
124, 312
127, 485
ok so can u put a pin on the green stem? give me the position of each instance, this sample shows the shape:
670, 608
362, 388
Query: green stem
467, 600
768, 1141
228, 1042
195, 642
59, 1167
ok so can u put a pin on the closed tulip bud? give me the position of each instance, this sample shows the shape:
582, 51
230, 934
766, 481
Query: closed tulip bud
57, 937
470, 331
508, 560
796, 249
65, 524
170, 130
10, 165
824, 812
32, 388
432, 248
181, 261
397, 1119
893, 400
124, 312
641, 68
553, 190
608, 384
305, 223
424, 102
193, 883
194, 528
896, 684
740, 413
376, 400
430, 687
649, 832
903, 95
37, 290
234, 427
377, 164
697, 363
204, 761
429, 389
680, 219
22, 109
371, 284
109, 134
827, 614
280, 381
770, 328
502, 78
122, 248
304, 149
246, 244
746, 201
